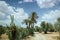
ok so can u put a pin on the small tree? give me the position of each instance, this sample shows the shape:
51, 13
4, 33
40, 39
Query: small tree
58, 26
51, 28
33, 18
2, 30
44, 26
30, 22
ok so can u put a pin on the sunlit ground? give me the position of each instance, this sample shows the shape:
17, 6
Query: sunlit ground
49, 36
37, 36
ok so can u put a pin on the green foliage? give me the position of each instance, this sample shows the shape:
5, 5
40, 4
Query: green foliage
30, 22
57, 24
51, 28
9, 34
21, 33
33, 18
2, 30
38, 29
56, 27
45, 26
24, 33
13, 33
31, 31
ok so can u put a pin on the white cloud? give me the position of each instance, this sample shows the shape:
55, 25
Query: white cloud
4, 22
46, 3
27, 0
38, 24
20, 14
6, 10
2, 15
51, 16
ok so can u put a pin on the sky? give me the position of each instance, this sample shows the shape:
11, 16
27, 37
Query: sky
47, 10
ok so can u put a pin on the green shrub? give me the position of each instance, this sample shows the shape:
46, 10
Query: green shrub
2, 30
13, 33
23, 33
31, 31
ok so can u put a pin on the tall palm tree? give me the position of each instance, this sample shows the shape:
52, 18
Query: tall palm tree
33, 18
27, 22
30, 23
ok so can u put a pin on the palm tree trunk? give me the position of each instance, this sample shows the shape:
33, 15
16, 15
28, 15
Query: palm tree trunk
33, 25
45, 32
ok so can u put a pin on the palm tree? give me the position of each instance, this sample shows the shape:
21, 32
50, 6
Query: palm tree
29, 21
26, 22
33, 18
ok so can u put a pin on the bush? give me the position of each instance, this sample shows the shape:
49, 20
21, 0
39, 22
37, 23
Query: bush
23, 33
38, 29
2, 30
13, 33
31, 31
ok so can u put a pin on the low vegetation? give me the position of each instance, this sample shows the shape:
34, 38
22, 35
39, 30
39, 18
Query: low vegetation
16, 33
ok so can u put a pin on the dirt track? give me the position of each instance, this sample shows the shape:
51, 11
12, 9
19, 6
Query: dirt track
42, 36
37, 36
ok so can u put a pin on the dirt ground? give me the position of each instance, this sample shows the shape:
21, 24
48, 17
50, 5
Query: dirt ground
51, 35
42, 36
37, 36
4, 37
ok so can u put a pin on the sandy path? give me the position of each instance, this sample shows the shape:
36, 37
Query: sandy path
38, 36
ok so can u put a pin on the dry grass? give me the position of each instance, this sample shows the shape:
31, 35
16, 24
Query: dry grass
49, 36
4, 37
52, 36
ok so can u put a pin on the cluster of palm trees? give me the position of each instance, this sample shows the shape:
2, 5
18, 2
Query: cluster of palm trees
31, 20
